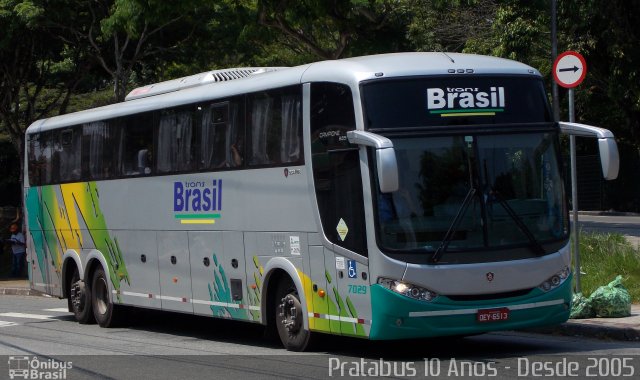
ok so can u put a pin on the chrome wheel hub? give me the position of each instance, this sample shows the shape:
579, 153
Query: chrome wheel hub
290, 312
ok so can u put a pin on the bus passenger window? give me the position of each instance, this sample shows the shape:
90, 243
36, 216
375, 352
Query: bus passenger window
135, 146
275, 119
175, 141
98, 147
214, 136
68, 154
261, 109
39, 159
291, 128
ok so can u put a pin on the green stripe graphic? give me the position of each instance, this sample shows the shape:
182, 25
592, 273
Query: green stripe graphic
473, 110
197, 216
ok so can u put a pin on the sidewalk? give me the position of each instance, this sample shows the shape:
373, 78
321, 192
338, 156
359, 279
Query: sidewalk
624, 329
17, 287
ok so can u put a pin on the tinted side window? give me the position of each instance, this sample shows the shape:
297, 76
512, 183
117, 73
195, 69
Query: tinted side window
68, 154
221, 135
98, 149
47, 157
39, 159
275, 127
55, 157
336, 166
175, 141
135, 145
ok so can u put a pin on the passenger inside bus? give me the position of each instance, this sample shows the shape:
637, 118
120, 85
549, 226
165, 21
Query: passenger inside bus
143, 159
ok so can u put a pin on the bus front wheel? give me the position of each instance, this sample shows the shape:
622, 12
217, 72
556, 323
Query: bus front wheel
289, 318
80, 297
107, 314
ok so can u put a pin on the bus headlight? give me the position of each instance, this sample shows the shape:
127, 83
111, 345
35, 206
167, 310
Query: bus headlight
555, 280
408, 290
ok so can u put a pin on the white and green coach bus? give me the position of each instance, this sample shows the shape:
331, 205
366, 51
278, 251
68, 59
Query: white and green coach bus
384, 197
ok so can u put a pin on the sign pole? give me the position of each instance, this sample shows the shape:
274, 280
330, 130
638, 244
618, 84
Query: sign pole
554, 55
574, 194
569, 70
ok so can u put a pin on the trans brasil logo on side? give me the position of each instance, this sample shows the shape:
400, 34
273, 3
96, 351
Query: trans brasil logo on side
197, 202
465, 101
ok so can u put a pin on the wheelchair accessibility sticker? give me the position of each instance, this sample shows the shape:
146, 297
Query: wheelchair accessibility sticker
352, 271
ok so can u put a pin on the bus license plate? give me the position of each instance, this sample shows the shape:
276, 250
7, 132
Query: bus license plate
493, 315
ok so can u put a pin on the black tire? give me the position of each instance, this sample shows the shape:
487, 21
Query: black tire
289, 318
106, 313
80, 299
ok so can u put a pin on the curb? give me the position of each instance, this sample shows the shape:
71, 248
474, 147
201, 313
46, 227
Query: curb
627, 334
608, 213
20, 292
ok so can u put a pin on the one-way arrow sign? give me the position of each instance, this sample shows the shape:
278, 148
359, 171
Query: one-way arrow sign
574, 69
569, 69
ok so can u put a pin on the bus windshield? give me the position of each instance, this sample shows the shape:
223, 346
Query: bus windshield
471, 191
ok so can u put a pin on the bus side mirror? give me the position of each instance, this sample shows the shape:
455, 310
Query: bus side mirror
609, 158
385, 158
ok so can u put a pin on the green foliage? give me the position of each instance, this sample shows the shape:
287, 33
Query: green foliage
520, 31
332, 29
9, 174
28, 12
97, 98
54, 52
605, 256
36, 69
437, 25
606, 33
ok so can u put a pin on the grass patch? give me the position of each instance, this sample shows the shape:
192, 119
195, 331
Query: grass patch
603, 257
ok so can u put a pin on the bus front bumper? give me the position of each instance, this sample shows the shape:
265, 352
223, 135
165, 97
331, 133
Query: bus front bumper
398, 317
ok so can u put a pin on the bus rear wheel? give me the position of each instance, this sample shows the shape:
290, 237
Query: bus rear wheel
106, 313
80, 299
289, 318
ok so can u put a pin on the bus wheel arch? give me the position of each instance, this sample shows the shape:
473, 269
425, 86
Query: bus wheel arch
285, 310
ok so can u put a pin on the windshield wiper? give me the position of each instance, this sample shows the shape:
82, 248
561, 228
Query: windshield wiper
454, 225
535, 246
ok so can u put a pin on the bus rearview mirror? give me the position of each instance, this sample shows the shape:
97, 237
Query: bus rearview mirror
385, 158
609, 157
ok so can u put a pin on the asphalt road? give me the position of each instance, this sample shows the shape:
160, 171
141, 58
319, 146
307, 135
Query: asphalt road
172, 346
628, 226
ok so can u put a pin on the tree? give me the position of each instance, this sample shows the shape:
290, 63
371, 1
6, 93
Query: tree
607, 34
438, 25
123, 34
38, 72
333, 29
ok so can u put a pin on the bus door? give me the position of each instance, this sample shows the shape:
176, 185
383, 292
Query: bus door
339, 195
38, 257
175, 271
38, 265
218, 275
37, 250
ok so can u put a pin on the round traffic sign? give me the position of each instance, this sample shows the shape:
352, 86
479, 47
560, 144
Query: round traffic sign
569, 69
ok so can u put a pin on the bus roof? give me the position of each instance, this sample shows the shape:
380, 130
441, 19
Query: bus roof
350, 71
